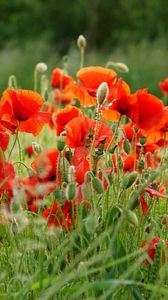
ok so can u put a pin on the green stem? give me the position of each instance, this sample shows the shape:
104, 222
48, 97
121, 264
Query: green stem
16, 137
35, 78
82, 57
96, 129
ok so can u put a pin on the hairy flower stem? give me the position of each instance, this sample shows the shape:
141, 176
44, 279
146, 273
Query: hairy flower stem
15, 141
82, 57
96, 128
35, 79
114, 136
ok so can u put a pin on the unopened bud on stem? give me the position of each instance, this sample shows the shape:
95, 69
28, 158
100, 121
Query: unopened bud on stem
36, 147
102, 93
118, 66
41, 67
81, 42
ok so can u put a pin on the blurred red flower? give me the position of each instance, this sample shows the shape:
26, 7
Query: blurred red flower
164, 86
21, 109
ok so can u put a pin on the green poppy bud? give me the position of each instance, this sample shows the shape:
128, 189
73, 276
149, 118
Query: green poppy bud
127, 146
41, 67
102, 93
71, 190
60, 143
97, 185
142, 140
128, 181
81, 41
134, 200
90, 224
131, 217
36, 147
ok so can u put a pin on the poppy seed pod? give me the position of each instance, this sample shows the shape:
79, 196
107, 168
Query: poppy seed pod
36, 147
102, 93
81, 42
41, 67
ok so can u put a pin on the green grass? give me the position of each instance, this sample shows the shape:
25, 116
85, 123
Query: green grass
100, 258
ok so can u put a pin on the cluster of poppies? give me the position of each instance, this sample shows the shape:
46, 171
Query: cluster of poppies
101, 128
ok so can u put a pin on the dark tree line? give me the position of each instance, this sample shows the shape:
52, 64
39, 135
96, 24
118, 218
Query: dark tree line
105, 23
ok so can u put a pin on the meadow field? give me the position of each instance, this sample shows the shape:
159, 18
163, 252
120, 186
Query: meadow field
83, 174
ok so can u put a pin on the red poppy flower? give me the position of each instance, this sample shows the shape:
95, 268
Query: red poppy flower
60, 79
7, 175
81, 129
59, 215
49, 108
164, 86
128, 129
152, 193
35, 189
80, 163
120, 103
159, 132
148, 111
90, 79
65, 115
29, 150
4, 139
63, 97
79, 92
151, 248
45, 164
130, 163
20, 108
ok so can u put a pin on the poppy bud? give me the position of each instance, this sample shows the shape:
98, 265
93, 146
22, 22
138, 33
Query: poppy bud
97, 185
121, 67
68, 155
102, 93
129, 180
60, 143
81, 42
71, 174
134, 200
90, 224
86, 191
36, 147
112, 150
41, 67
142, 140
131, 217
71, 190
127, 146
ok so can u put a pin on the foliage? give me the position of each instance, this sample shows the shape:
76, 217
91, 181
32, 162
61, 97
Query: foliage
105, 23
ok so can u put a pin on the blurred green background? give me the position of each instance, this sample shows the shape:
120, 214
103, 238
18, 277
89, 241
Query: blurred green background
130, 31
